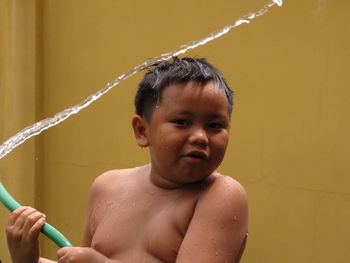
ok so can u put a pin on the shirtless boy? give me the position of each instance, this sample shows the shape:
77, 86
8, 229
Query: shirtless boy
175, 209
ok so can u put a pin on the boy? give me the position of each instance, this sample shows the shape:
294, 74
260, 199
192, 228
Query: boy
175, 209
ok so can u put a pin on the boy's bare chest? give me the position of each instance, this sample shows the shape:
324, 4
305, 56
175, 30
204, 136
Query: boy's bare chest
137, 228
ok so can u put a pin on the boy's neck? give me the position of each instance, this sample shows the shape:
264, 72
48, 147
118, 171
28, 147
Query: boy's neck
157, 181
160, 182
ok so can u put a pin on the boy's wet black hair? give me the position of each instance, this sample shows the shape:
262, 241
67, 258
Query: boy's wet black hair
178, 70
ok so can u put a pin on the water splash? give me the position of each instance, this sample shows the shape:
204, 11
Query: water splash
47, 123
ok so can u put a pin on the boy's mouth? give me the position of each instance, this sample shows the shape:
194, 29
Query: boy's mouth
195, 156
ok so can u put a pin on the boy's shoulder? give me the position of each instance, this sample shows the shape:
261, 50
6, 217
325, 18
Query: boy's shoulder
222, 186
224, 196
119, 174
113, 179
114, 174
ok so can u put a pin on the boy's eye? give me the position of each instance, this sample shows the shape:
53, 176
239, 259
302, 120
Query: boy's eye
215, 125
180, 122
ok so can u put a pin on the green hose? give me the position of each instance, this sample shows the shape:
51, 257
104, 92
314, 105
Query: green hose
48, 230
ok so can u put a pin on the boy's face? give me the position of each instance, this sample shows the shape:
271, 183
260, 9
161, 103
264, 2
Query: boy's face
188, 132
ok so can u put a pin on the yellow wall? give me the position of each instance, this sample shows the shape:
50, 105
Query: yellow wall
18, 89
289, 141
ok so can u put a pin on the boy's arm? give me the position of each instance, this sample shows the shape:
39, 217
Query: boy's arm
218, 229
81, 255
45, 260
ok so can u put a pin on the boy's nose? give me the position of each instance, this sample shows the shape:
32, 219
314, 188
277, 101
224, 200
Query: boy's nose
199, 137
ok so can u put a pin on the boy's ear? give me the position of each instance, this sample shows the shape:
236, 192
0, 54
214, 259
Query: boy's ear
140, 125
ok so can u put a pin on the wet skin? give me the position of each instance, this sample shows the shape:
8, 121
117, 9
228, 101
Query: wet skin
187, 134
177, 208
200, 222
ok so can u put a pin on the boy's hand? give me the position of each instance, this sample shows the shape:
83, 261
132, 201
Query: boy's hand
22, 233
79, 255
